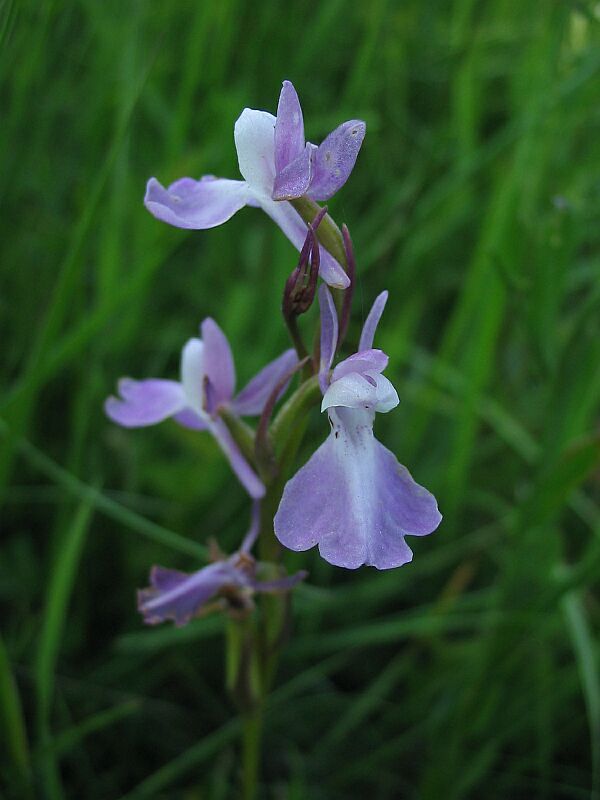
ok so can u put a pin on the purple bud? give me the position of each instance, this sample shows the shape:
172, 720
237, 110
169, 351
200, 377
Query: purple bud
301, 286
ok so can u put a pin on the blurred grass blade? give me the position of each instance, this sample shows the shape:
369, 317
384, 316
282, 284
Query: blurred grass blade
387, 631
188, 760
366, 703
12, 726
67, 281
7, 20
101, 502
206, 748
152, 641
555, 484
60, 587
585, 648
65, 741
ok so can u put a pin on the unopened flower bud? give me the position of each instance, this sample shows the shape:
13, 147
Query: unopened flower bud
301, 286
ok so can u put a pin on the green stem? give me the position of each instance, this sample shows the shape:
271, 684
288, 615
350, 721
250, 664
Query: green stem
251, 752
267, 638
327, 233
295, 409
269, 549
286, 433
292, 325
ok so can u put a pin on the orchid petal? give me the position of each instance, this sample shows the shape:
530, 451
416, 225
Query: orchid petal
295, 229
188, 418
386, 396
145, 402
294, 179
179, 596
335, 159
192, 374
254, 529
254, 135
352, 391
244, 472
367, 360
355, 500
280, 584
367, 390
289, 127
372, 321
196, 204
218, 364
316, 509
329, 334
251, 400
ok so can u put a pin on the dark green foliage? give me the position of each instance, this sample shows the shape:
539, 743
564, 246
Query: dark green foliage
471, 673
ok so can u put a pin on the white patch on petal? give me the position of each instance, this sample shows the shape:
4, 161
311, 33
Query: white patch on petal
366, 390
386, 394
352, 391
354, 448
254, 135
192, 374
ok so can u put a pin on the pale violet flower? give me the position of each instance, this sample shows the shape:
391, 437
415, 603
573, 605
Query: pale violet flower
230, 582
206, 385
353, 498
277, 165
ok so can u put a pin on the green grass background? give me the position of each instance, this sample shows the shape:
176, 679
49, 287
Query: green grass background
472, 672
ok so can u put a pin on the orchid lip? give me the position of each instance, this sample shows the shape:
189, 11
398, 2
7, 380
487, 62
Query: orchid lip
353, 498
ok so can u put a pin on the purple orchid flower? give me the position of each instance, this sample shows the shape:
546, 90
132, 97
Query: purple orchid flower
277, 165
352, 497
207, 384
230, 581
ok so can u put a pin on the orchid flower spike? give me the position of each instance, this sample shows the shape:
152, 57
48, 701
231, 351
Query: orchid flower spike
277, 166
352, 497
230, 582
207, 385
